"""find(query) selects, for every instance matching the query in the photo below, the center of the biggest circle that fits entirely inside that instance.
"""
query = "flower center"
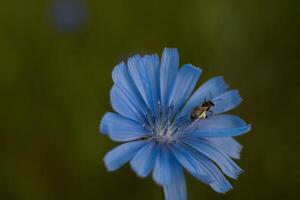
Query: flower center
(164, 124)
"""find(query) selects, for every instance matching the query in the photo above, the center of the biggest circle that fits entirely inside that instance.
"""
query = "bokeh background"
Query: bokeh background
(56, 58)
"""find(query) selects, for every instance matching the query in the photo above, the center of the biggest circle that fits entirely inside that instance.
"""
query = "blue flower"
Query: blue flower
(68, 15)
(154, 100)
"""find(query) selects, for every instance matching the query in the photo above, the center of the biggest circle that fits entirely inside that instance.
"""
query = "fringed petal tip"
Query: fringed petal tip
(227, 145)
(170, 50)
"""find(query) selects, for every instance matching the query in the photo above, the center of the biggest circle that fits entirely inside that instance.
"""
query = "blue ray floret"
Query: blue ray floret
(153, 100)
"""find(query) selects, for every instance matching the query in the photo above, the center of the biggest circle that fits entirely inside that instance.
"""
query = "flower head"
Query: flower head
(165, 128)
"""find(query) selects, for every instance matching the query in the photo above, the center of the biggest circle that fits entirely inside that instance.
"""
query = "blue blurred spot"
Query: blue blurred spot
(68, 15)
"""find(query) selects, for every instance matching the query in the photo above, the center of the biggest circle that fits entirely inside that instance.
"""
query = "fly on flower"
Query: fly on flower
(200, 112)
(155, 118)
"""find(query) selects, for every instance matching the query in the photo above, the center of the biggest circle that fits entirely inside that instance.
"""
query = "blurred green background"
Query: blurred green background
(56, 64)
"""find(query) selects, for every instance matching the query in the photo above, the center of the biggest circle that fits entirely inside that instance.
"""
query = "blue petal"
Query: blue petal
(138, 72)
(120, 155)
(163, 167)
(143, 161)
(228, 145)
(186, 80)
(125, 103)
(226, 101)
(176, 190)
(121, 76)
(211, 151)
(109, 118)
(168, 72)
(209, 90)
(219, 183)
(221, 125)
(192, 165)
(123, 129)
(153, 67)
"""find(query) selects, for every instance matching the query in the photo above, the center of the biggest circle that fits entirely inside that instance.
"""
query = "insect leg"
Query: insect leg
(209, 113)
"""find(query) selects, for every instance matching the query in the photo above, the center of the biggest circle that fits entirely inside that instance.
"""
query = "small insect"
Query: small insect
(200, 112)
